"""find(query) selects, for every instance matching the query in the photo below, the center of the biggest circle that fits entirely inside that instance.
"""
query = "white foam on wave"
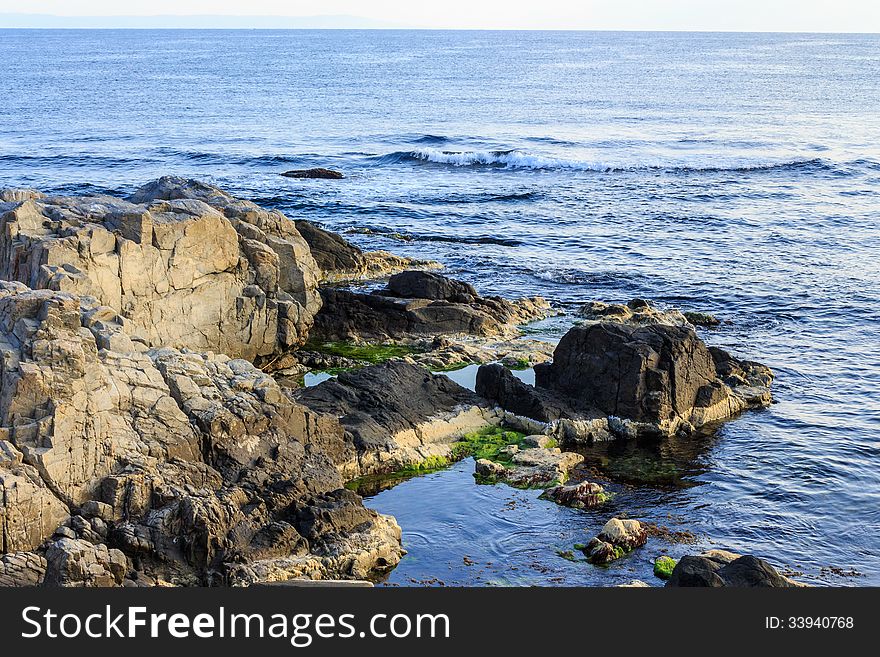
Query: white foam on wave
(513, 159)
(517, 159)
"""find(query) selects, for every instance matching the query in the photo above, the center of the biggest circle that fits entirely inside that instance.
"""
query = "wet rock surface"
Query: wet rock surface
(617, 538)
(583, 495)
(319, 173)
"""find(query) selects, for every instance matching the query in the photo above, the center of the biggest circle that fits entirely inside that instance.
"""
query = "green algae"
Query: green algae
(366, 353)
(488, 442)
(663, 567)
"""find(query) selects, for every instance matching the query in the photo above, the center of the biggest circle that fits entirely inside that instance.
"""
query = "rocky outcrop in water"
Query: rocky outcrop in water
(395, 313)
(617, 539)
(717, 568)
(636, 312)
(340, 260)
(583, 495)
(182, 263)
(121, 464)
(533, 467)
(319, 173)
(396, 415)
(612, 378)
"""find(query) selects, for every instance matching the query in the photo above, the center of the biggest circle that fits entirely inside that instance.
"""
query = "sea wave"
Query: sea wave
(519, 159)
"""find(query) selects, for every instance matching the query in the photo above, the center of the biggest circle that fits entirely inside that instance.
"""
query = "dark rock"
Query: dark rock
(395, 415)
(428, 285)
(330, 250)
(715, 571)
(395, 313)
(340, 260)
(499, 384)
(646, 379)
(337, 512)
(649, 374)
(318, 172)
(584, 495)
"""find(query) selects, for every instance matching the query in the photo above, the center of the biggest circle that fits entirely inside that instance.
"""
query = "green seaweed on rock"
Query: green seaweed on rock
(367, 353)
(663, 567)
(488, 443)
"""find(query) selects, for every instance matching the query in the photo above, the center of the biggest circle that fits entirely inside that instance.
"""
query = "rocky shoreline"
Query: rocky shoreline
(154, 431)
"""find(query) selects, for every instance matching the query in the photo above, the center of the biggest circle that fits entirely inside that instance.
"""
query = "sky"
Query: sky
(716, 15)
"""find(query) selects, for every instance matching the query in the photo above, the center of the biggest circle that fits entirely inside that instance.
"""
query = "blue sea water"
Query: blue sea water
(737, 174)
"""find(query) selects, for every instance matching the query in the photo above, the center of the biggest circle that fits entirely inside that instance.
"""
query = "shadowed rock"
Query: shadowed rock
(652, 379)
(396, 415)
(389, 315)
(317, 172)
(718, 568)
(340, 260)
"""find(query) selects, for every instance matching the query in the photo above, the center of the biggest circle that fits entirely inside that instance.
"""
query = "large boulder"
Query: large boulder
(718, 568)
(396, 415)
(400, 311)
(652, 379)
(184, 263)
(159, 465)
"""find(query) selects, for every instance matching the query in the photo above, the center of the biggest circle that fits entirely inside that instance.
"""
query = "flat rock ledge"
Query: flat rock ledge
(395, 416)
(616, 379)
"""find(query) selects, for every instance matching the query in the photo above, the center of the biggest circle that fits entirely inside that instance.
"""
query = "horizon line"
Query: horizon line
(330, 22)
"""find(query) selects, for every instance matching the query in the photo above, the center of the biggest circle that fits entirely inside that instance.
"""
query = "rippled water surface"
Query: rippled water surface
(733, 174)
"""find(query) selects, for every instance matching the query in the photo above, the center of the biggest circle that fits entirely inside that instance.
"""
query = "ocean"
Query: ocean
(735, 174)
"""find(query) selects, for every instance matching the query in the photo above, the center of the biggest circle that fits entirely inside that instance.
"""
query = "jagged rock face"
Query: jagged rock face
(160, 465)
(386, 315)
(396, 415)
(184, 263)
(654, 379)
(340, 260)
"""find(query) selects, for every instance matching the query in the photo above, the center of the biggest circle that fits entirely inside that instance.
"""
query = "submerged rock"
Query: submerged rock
(162, 465)
(617, 538)
(317, 172)
(395, 416)
(183, 263)
(618, 379)
(717, 568)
